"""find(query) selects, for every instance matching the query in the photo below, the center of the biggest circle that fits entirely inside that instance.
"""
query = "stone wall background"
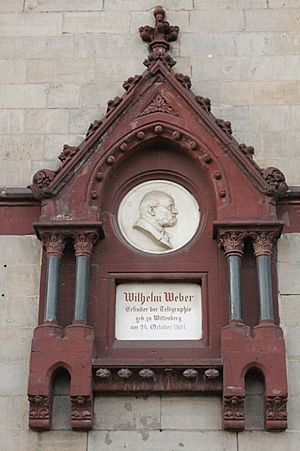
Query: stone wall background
(60, 62)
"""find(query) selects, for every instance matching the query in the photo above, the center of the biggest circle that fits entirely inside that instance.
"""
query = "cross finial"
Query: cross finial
(160, 36)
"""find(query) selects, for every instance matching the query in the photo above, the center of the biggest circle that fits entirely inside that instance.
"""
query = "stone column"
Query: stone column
(54, 244)
(263, 243)
(233, 244)
(83, 244)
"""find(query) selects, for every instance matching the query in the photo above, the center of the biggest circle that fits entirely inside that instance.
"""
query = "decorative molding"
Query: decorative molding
(84, 242)
(112, 104)
(93, 127)
(275, 179)
(184, 80)
(67, 153)
(276, 408)
(225, 126)
(131, 82)
(158, 105)
(53, 243)
(40, 182)
(39, 407)
(233, 408)
(263, 242)
(247, 150)
(232, 242)
(81, 412)
(165, 58)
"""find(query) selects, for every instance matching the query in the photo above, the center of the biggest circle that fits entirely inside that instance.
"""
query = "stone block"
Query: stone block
(270, 68)
(254, 412)
(18, 441)
(288, 277)
(97, 95)
(13, 414)
(260, 93)
(216, 21)
(145, 5)
(288, 247)
(96, 22)
(16, 344)
(195, 45)
(54, 145)
(61, 412)
(254, 44)
(13, 378)
(12, 71)
(63, 5)
(117, 69)
(47, 121)
(127, 413)
(81, 118)
(266, 440)
(71, 70)
(210, 89)
(295, 117)
(218, 4)
(23, 96)
(21, 147)
(275, 118)
(109, 46)
(11, 121)
(286, 43)
(19, 250)
(289, 310)
(30, 25)
(19, 311)
(293, 408)
(238, 116)
(22, 280)
(14, 173)
(14, 6)
(63, 96)
(292, 340)
(272, 19)
(162, 441)
(293, 367)
(62, 441)
(191, 412)
(213, 69)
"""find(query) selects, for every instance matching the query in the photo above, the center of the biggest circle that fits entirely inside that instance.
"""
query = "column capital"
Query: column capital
(263, 242)
(84, 242)
(232, 242)
(53, 243)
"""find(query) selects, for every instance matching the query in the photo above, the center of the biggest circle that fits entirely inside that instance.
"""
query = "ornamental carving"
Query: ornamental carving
(39, 407)
(81, 408)
(247, 150)
(93, 127)
(225, 126)
(67, 153)
(275, 179)
(232, 243)
(131, 82)
(158, 105)
(263, 242)
(204, 102)
(53, 243)
(234, 407)
(84, 242)
(165, 58)
(112, 104)
(276, 408)
(162, 31)
(41, 181)
(184, 80)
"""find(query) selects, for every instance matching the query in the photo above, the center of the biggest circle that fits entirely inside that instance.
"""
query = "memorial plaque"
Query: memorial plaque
(158, 311)
(158, 216)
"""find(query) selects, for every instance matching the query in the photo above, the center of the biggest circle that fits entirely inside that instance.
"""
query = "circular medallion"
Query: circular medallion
(158, 216)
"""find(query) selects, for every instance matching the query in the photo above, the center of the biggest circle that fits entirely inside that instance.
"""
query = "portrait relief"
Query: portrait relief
(158, 216)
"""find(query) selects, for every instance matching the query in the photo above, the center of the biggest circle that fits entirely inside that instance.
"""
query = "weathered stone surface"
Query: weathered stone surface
(15, 173)
(289, 282)
(289, 310)
(238, 116)
(47, 121)
(30, 47)
(127, 413)
(289, 248)
(265, 118)
(266, 440)
(55, 143)
(272, 19)
(81, 118)
(12, 71)
(215, 21)
(22, 280)
(20, 147)
(20, 311)
(63, 96)
(13, 377)
(11, 6)
(13, 415)
(61, 440)
(63, 5)
(96, 22)
(23, 96)
(30, 25)
(142, 5)
(17, 344)
(11, 121)
(81, 70)
(164, 441)
(195, 412)
(108, 46)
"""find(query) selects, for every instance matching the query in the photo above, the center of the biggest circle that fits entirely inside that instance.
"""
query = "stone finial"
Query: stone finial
(159, 36)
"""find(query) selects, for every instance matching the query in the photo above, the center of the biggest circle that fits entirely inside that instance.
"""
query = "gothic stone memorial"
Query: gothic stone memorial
(159, 270)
